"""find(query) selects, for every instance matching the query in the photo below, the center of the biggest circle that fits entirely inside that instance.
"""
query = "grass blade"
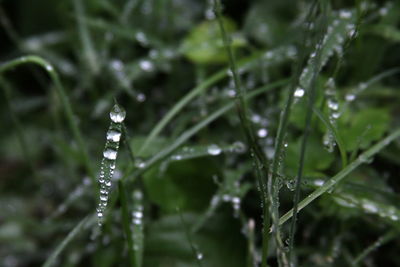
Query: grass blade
(64, 101)
(312, 95)
(363, 158)
(125, 222)
(338, 139)
(85, 222)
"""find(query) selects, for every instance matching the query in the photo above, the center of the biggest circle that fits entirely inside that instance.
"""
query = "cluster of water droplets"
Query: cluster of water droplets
(333, 113)
(137, 220)
(369, 206)
(110, 153)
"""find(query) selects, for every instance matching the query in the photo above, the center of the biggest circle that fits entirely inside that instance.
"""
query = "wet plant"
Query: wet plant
(240, 133)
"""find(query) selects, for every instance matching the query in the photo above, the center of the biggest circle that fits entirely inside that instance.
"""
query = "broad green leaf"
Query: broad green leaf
(388, 32)
(204, 44)
(365, 127)
(220, 242)
(317, 157)
(185, 184)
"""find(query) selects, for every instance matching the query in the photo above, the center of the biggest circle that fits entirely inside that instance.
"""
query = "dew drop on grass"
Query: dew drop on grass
(299, 92)
(141, 97)
(291, 185)
(113, 136)
(214, 150)
(239, 147)
(199, 256)
(262, 132)
(110, 154)
(117, 114)
(146, 65)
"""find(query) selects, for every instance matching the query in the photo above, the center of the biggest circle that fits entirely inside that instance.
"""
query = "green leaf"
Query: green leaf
(317, 159)
(365, 127)
(220, 243)
(185, 184)
(388, 32)
(204, 44)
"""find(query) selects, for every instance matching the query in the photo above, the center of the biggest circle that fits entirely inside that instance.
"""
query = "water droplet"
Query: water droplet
(370, 207)
(146, 65)
(262, 132)
(285, 145)
(117, 65)
(291, 185)
(226, 198)
(141, 38)
(141, 97)
(239, 147)
(345, 14)
(350, 97)
(49, 67)
(110, 154)
(113, 136)
(299, 92)
(214, 150)
(139, 163)
(117, 114)
(137, 214)
(333, 105)
(319, 182)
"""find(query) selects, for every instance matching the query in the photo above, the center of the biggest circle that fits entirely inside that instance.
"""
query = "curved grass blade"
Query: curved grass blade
(18, 127)
(196, 128)
(63, 98)
(85, 222)
(363, 158)
(392, 234)
(202, 87)
(197, 254)
(338, 139)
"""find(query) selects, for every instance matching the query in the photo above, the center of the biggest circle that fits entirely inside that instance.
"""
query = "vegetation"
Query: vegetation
(199, 133)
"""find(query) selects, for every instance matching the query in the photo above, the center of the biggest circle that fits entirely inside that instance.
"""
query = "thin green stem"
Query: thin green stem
(259, 159)
(87, 221)
(199, 89)
(312, 95)
(87, 45)
(195, 251)
(196, 128)
(390, 235)
(363, 158)
(126, 222)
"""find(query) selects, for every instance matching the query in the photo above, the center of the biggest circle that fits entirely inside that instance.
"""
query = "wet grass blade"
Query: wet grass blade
(312, 96)
(18, 127)
(390, 235)
(64, 101)
(196, 128)
(259, 158)
(196, 91)
(85, 222)
(126, 222)
(87, 45)
(363, 158)
(333, 130)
